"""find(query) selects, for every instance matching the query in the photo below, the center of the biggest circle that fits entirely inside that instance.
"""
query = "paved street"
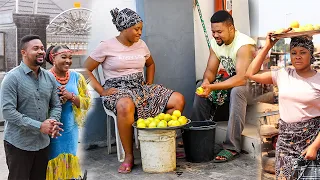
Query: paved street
(100, 166)
(103, 166)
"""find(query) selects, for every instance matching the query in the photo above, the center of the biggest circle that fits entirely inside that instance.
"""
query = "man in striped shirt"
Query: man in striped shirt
(31, 109)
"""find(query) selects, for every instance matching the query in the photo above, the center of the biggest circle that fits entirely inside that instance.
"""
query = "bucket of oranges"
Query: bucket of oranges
(157, 137)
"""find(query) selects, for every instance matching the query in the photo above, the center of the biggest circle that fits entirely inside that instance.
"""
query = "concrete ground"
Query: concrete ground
(101, 166)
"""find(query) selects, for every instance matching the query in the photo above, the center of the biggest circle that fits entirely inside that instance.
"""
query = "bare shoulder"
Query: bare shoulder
(247, 48)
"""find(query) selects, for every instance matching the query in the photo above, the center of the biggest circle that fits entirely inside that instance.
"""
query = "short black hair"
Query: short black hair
(222, 16)
(25, 39)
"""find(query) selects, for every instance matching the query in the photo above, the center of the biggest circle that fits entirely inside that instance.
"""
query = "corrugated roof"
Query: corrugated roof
(46, 7)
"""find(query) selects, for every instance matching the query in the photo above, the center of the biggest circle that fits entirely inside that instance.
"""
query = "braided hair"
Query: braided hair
(52, 50)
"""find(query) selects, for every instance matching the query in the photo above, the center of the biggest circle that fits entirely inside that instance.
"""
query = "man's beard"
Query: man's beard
(220, 44)
(38, 63)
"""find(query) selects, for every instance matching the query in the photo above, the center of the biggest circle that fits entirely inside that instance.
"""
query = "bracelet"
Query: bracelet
(73, 97)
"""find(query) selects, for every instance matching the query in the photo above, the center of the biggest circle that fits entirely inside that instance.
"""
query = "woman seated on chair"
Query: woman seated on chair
(125, 91)
(299, 103)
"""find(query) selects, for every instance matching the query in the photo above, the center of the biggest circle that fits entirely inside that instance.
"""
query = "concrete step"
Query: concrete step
(250, 137)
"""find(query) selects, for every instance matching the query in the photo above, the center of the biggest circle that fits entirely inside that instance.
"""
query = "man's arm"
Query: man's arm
(244, 57)
(212, 68)
(9, 101)
(54, 104)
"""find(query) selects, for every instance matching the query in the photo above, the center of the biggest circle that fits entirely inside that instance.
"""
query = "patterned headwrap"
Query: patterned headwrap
(305, 42)
(52, 55)
(125, 18)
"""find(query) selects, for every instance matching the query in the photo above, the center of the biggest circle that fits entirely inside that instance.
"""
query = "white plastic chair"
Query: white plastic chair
(120, 151)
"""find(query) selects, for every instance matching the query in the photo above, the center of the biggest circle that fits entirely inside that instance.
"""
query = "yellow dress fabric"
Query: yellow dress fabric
(80, 113)
(66, 166)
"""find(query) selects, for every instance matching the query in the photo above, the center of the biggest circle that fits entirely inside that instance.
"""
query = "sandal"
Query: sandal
(125, 168)
(227, 155)
(180, 155)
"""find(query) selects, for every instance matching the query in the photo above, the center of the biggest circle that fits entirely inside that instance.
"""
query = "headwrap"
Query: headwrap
(305, 42)
(125, 18)
(52, 55)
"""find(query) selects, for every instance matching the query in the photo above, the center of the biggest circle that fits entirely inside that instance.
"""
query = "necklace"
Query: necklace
(61, 80)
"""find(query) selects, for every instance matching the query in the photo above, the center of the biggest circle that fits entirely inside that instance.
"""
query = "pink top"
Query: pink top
(299, 98)
(119, 60)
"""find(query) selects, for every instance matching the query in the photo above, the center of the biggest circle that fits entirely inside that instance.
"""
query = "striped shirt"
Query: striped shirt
(27, 101)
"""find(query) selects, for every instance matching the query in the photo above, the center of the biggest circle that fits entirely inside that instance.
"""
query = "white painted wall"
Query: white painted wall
(254, 17)
(102, 26)
(240, 14)
(201, 48)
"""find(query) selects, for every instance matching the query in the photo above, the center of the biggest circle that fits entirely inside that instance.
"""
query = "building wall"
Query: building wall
(63, 4)
(10, 57)
(10, 32)
(200, 43)
(169, 34)
(254, 17)
(15, 26)
(30, 24)
(95, 129)
(102, 26)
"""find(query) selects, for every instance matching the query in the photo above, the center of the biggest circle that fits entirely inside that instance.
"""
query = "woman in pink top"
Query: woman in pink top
(126, 92)
(299, 103)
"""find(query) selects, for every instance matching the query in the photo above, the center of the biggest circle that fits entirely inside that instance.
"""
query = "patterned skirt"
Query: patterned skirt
(292, 140)
(149, 100)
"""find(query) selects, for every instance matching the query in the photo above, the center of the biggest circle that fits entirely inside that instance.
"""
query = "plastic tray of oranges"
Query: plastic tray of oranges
(296, 30)
(162, 122)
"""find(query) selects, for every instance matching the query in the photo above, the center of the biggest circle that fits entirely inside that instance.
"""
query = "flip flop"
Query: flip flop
(180, 155)
(125, 168)
(227, 155)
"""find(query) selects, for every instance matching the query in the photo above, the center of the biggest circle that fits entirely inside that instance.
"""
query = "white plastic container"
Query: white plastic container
(158, 150)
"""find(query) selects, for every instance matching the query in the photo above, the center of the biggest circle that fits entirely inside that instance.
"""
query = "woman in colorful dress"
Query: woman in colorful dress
(64, 164)
(299, 103)
(126, 92)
